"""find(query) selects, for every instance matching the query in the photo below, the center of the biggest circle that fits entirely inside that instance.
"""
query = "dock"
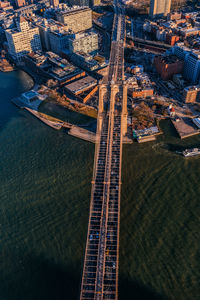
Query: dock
(57, 124)
(82, 134)
(54, 124)
(185, 127)
(147, 138)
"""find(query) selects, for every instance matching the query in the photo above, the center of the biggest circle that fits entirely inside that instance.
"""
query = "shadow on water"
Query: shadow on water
(133, 290)
(49, 281)
(180, 148)
(12, 84)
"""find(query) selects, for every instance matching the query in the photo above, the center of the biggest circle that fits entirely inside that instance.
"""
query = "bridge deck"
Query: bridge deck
(100, 271)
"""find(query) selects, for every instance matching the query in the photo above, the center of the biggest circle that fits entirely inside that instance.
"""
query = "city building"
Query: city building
(76, 18)
(191, 94)
(178, 79)
(58, 40)
(192, 67)
(159, 8)
(134, 69)
(86, 61)
(196, 121)
(81, 85)
(20, 3)
(139, 86)
(26, 10)
(191, 62)
(24, 39)
(54, 3)
(46, 28)
(86, 42)
(186, 32)
(167, 66)
(161, 35)
(95, 2)
(5, 6)
(50, 65)
(174, 16)
(79, 2)
(176, 4)
(181, 51)
(171, 38)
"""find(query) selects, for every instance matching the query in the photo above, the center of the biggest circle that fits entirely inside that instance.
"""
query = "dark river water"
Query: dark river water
(44, 205)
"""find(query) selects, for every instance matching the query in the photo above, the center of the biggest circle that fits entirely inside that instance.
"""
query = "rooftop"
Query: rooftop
(71, 10)
(169, 59)
(81, 84)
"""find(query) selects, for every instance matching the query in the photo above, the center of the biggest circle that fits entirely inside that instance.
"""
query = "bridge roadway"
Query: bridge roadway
(100, 271)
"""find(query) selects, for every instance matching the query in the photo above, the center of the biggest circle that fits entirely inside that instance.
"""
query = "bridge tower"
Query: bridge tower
(102, 92)
(114, 90)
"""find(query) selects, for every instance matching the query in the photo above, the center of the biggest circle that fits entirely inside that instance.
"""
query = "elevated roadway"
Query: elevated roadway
(100, 271)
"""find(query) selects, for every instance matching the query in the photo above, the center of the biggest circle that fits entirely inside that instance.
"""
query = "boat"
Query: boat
(191, 152)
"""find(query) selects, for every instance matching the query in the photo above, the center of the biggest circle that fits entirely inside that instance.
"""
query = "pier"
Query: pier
(185, 127)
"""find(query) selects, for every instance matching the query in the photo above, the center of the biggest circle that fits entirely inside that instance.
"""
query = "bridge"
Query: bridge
(100, 270)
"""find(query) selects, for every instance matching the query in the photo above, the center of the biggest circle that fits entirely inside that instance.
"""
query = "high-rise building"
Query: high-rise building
(54, 3)
(58, 40)
(86, 42)
(181, 51)
(191, 61)
(77, 19)
(192, 67)
(159, 8)
(46, 26)
(24, 39)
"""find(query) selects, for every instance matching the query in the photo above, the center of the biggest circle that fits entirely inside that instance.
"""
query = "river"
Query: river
(44, 204)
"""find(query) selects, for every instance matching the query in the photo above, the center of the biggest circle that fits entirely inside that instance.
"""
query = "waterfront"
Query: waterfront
(45, 192)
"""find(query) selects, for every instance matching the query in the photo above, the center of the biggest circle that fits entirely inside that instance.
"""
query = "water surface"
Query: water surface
(44, 204)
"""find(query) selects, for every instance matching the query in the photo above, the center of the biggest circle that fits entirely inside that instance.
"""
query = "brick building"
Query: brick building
(171, 39)
(167, 66)
(20, 3)
(141, 93)
(191, 93)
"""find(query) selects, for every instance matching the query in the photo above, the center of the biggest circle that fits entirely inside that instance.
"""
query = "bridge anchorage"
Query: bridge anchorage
(100, 270)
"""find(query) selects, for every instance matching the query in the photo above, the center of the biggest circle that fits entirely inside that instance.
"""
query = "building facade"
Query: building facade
(79, 2)
(167, 66)
(23, 39)
(191, 62)
(54, 3)
(86, 42)
(76, 19)
(192, 67)
(159, 8)
(51, 32)
(191, 94)
(58, 41)
(20, 3)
